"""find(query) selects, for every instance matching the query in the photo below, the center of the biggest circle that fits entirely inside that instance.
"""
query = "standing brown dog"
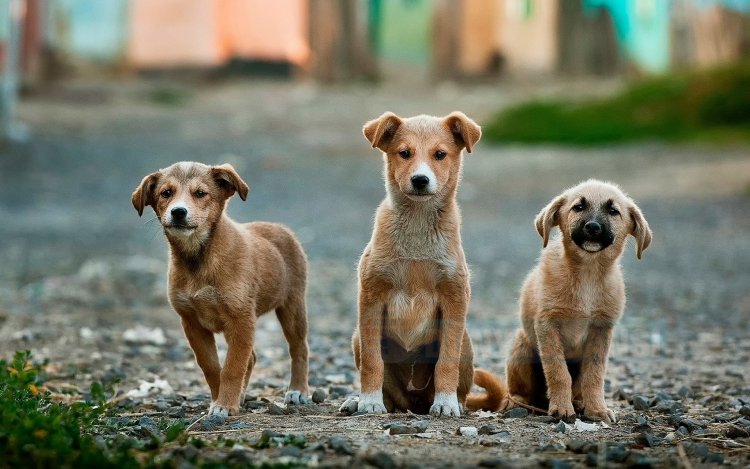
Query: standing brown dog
(571, 301)
(410, 345)
(223, 275)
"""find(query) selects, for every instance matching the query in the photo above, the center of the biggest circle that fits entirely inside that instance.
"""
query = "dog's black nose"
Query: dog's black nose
(179, 213)
(592, 228)
(420, 181)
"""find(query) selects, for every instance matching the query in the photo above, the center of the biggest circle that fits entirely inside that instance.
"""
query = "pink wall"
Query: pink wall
(175, 33)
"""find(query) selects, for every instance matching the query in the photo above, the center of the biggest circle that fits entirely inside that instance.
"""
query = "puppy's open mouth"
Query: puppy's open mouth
(592, 246)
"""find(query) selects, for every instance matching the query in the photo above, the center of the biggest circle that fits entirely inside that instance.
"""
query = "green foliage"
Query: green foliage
(37, 432)
(712, 105)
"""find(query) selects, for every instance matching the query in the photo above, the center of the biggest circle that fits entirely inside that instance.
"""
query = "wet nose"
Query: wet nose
(179, 213)
(592, 228)
(420, 181)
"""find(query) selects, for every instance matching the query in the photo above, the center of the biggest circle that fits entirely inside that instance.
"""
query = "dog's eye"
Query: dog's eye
(405, 154)
(200, 193)
(166, 193)
(440, 154)
(579, 207)
(614, 212)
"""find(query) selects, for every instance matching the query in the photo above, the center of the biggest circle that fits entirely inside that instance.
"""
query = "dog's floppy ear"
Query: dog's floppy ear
(640, 231)
(379, 132)
(229, 180)
(548, 218)
(464, 130)
(143, 195)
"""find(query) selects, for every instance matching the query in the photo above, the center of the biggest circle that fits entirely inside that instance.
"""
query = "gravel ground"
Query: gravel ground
(83, 283)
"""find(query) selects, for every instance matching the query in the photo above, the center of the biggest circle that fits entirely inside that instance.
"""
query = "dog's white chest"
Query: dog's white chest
(411, 318)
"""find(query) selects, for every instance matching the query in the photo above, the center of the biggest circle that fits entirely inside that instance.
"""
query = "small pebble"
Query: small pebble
(516, 412)
(469, 432)
(641, 403)
(319, 396)
(561, 427)
(340, 445)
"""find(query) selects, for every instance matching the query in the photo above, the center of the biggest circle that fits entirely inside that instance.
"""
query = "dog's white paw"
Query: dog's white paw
(219, 411)
(371, 403)
(445, 404)
(296, 398)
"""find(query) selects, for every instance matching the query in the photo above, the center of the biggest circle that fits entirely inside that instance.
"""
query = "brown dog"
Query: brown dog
(410, 345)
(571, 301)
(223, 275)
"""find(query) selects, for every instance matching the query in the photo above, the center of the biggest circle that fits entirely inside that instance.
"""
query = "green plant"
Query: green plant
(709, 105)
(37, 432)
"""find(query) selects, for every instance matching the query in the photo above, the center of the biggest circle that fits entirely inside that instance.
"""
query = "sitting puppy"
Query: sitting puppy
(571, 301)
(223, 275)
(410, 345)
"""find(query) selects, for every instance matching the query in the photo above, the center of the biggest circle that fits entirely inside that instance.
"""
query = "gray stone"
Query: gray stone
(319, 396)
(340, 445)
(641, 403)
(561, 427)
(745, 410)
(516, 412)
(406, 428)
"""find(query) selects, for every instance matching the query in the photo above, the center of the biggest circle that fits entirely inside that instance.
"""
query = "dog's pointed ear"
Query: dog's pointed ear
(640, 231)
(143, 195)
(465, 131)
(228, 179)
(379, 132)
(548, 218)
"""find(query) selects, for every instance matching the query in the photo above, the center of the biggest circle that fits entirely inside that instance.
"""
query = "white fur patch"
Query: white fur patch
(371, 403)
(424, 170)
(445, 404)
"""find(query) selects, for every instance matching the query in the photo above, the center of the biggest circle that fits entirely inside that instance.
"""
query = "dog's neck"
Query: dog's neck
(420, 230)
(194, 253)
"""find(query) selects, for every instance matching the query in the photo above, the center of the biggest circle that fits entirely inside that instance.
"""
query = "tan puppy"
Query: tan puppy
(410, 345)
(223, 275)
(571, 301)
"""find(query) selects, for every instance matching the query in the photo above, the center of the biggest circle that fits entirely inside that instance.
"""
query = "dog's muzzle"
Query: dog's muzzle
(593, 235)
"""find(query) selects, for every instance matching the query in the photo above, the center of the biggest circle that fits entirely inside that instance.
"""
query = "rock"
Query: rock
(340, 445)
(489, 429)
(291, 451)
(561, 427)
(211, 422)
(381, 459)
(554, 447)
(745, 410)
(267, 439)
(637, 459)
(647, 440)
(684, 392)
(238, 425)
(469, 432)
(150, 426)
(349, 407)
(406, 428)
(617, 453)
(735, 431)
(682, 432)
(273, 409)
(743, 422)
(692, 424)
(516, 412)
(319, 396)
(177, 412)
(144, 335)
(495, 439)
(667, 406)
(641, 403)
(579, 446)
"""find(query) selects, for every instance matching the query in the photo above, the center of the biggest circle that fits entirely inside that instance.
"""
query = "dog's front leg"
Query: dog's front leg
(593, 369)
(239, 339)
(202, 342)
(556, 374)
(453, 307)
(371, 366)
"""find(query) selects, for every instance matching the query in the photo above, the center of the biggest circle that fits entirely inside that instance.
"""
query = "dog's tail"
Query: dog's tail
(493, 395)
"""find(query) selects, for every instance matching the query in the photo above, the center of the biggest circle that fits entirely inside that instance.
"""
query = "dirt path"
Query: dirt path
(81, 269)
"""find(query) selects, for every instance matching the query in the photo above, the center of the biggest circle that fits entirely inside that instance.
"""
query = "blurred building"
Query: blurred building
(343, 39)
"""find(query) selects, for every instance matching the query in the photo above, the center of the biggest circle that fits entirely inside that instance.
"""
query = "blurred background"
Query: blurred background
(652, 94)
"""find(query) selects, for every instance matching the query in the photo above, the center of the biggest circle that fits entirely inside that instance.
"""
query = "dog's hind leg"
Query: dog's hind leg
(246, 379)
(293, 319)
(519, 370)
